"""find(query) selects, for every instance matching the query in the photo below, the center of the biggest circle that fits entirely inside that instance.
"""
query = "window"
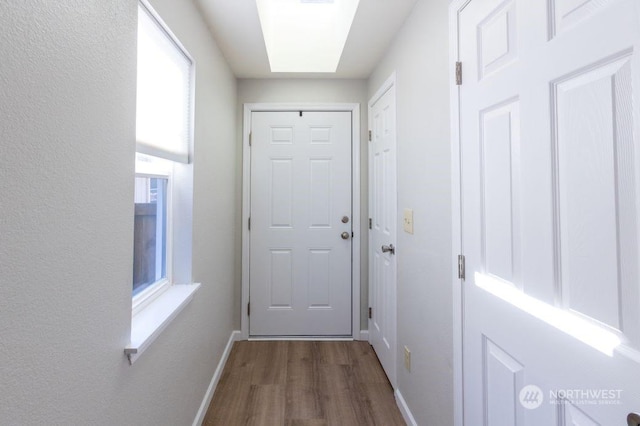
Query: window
(151, 236)
(163, 139)
(163, 195)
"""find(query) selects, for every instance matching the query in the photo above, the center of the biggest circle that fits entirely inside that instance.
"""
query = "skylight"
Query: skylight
(305, 35)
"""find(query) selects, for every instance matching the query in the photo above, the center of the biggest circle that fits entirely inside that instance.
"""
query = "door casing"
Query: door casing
(456, 196)
(354, 108)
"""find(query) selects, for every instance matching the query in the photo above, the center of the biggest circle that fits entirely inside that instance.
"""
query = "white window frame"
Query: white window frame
(154, 308)
(146, 296)
(164, 169)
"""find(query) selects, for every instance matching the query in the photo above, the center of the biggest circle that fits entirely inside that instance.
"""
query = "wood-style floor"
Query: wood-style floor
(299, 383)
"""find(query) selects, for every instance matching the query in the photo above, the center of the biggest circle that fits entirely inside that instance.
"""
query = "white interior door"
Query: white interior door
(382, 236)
(300, 237)
(550, 168)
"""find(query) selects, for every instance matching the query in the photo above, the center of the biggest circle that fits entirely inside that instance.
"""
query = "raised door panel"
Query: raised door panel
(281, 135)
(503, 380)
(281, 193)
(596, 216)
(497, 43)
(564, 14)
(387, 293)
(321, 135)
(378, 174)
(321, 194)
(319, 290)
(500, 153)
(281, 279)
(376, 295)
(571, 415)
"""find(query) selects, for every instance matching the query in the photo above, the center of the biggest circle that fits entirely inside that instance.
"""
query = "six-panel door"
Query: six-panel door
(383, 211)
(300, 256)
(550, 115)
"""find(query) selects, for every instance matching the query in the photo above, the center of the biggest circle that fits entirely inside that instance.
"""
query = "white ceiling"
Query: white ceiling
(236, 27)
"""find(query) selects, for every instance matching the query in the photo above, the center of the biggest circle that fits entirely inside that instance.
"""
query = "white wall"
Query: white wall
(67, 132)
(419, 55)
(311, 91)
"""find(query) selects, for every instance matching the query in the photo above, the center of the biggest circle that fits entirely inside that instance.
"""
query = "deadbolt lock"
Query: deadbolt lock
(345, 219)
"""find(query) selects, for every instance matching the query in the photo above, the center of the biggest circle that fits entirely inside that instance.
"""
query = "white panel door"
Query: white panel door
(550, 182)
(300, 256)
(383, 211)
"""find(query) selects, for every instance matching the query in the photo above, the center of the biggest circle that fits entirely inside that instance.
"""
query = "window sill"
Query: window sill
(147, 324)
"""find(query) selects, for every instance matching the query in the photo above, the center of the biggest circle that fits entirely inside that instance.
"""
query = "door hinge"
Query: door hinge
(249, 309)
(458, 73)
(461, 267)
(249, 224)
(370, 313)
(369, 135)
(370, 223)
(250, 138)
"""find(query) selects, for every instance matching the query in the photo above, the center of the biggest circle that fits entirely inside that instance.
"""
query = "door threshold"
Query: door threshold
(303, 338)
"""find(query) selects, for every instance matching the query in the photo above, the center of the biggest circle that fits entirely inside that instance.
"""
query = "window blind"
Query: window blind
(163, 110)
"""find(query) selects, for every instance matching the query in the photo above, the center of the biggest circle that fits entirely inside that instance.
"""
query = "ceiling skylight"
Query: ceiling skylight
(305, 35)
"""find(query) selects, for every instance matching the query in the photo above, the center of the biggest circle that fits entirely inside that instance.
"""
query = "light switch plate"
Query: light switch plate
(407, 358)
(408, 221)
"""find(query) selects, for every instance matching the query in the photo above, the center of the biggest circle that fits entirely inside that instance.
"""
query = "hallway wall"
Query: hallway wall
(67, 140)
(419, 55)
(308, 91)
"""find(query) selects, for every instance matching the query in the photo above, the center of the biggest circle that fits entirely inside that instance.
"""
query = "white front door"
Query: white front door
(550, 183)
(383, 206)
(300, 237)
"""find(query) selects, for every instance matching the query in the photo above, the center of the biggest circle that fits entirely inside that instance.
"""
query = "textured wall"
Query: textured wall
(67, 130)
(419, 55)
(311, 91)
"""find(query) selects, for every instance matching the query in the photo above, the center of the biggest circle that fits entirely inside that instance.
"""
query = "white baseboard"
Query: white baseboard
(364, 335)
(404, 409)
(235, 336)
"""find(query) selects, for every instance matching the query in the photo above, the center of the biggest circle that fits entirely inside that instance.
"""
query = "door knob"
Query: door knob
(633, 419)
(389, 249)
(345, 235)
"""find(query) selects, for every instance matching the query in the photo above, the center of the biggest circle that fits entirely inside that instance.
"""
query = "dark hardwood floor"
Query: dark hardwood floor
(296, 383)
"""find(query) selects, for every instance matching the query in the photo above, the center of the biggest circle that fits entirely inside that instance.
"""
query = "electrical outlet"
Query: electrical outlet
(407, 358)
(407, 222)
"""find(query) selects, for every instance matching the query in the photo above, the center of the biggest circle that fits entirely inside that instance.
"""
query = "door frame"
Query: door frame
(388, 84)
(455, 8)
(354, 108)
